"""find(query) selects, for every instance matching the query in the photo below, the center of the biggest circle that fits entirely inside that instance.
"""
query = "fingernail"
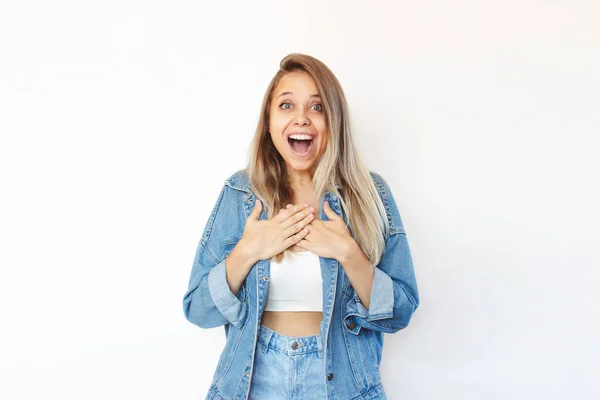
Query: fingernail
(311, 209)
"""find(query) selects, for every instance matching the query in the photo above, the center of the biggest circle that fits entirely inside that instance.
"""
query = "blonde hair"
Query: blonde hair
(339, 166)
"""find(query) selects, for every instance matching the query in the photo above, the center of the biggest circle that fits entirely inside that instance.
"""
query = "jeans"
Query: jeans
(287, 367)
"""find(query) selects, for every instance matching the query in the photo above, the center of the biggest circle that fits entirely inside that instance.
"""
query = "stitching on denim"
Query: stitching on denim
(368, 392)
(370, 337)
(350, 353)
(380, 316)
(384, 199)
(233, 182)
(211, 254)
(211, 219)
(214, 393)
(232, 351)
(383, 325)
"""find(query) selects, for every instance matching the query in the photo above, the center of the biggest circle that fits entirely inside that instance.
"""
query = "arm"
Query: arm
(209, 302)
(394, 296)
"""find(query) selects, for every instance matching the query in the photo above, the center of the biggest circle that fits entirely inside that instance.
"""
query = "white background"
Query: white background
(120, 120)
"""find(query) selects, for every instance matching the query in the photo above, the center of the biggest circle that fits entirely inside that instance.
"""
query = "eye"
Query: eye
(285, 104)
(317, 107)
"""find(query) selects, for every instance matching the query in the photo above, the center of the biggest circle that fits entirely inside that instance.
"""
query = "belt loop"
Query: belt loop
(266, 339)
(320, 345)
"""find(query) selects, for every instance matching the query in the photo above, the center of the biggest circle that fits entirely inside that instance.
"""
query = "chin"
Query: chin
(300, 166)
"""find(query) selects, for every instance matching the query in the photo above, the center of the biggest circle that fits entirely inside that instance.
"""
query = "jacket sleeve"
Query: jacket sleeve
(208, 301)
(394, 295)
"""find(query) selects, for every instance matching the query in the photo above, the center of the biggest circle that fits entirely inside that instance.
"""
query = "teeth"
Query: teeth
(297, 136)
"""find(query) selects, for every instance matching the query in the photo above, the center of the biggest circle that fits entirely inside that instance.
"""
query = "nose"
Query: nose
(301, 120)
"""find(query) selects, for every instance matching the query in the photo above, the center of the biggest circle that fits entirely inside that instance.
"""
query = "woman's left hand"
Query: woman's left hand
(329, 239)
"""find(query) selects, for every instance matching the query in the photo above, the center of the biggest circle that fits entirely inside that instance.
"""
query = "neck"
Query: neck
(304, 188)
(300, 180)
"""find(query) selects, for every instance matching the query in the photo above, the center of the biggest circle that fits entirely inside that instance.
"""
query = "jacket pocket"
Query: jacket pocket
(229, 244)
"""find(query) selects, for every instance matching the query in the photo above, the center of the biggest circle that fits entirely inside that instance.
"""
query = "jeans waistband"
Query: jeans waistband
(288, 345)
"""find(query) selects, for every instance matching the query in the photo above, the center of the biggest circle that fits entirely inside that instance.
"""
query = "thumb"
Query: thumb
(329, 212)
(256, 211)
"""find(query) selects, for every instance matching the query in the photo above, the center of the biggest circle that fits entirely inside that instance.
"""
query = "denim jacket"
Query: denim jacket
(351, 334)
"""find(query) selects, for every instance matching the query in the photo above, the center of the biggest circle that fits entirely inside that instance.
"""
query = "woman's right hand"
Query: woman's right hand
(263, 239)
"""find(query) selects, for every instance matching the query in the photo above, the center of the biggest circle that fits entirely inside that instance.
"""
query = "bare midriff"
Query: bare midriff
(293, 323)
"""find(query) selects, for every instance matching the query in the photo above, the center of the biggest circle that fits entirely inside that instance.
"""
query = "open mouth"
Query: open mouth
(301, 144)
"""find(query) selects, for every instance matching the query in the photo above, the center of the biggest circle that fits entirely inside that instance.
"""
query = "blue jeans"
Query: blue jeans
(287, 367)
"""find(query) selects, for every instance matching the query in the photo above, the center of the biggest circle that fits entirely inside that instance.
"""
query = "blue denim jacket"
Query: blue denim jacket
(352, 335)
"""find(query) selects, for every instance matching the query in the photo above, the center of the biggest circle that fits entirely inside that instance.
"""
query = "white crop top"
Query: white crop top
(296, 283)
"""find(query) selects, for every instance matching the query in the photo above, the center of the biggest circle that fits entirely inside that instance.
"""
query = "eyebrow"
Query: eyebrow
(286, 93)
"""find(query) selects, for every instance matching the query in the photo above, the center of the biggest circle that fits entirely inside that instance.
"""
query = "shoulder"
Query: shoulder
(380, 183)
(382, 187)
(236, 188)
(389, 203)
(228, 214)
(239, 181)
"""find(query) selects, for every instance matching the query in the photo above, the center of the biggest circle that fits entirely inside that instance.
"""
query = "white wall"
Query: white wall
(120, 120)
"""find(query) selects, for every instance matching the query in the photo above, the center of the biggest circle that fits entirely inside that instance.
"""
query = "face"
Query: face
(297, 122)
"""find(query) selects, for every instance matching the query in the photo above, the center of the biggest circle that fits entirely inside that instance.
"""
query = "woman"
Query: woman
(304, 259)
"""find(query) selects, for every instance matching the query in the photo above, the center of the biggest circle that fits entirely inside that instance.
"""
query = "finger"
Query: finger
(289, 211)
(297, 217)
(292, 240)
(329, 212)
(257, 209)
(286, 207)
(298, 226)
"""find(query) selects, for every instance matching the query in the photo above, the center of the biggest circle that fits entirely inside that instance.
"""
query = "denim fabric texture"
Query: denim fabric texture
(352, 336)
(287, 368)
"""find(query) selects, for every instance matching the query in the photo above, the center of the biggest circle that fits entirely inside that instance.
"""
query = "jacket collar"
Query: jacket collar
(240, 181)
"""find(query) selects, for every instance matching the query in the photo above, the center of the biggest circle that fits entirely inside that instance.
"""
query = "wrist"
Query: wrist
(244, 254)
(349, 251)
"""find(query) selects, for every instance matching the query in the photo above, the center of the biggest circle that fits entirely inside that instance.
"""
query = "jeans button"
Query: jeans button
(295, 346)
(330, 376)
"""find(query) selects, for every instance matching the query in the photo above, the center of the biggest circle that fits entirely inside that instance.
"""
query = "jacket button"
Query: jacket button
(351, 325)
(265, 278)
(330, 377)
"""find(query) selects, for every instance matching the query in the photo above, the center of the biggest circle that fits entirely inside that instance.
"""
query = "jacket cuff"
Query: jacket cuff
(381, 304)
(225, 301)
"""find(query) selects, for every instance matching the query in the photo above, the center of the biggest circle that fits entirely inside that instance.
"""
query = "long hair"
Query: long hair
(339, 170)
